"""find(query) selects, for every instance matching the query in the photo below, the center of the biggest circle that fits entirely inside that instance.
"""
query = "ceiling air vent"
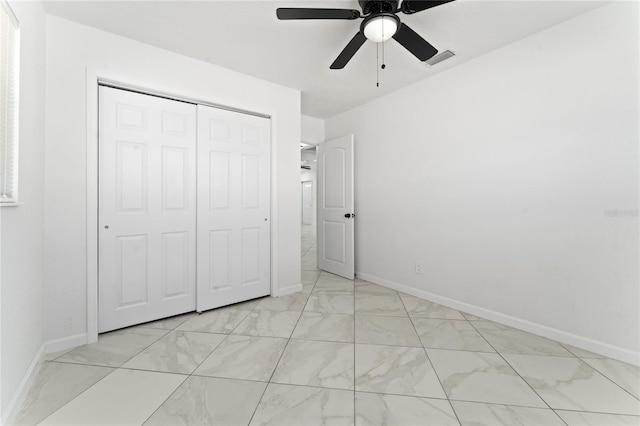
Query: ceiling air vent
(439, 58)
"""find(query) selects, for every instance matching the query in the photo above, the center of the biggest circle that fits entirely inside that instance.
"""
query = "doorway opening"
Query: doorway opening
(308, 174)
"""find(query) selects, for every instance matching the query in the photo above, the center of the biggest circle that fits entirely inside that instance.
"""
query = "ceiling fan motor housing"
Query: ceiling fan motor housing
(378, 6)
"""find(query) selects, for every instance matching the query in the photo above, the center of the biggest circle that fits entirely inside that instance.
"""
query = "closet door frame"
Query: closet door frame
(96, 78)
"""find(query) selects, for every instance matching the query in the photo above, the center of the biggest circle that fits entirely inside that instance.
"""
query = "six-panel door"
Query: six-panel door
(179, 184)
(147, 208)
(233, 207)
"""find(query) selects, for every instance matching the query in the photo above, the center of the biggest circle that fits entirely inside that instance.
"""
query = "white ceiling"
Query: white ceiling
(245, 36)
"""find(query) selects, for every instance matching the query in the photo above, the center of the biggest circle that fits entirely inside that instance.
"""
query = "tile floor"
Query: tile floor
(340, 352)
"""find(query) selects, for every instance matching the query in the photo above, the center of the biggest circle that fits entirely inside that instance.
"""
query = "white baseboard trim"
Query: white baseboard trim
(14, 406)
(63, 343)
(581, 342)
(289, 290)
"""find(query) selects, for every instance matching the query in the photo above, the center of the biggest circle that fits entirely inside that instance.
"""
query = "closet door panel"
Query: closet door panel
(147, 208)
(233, 207)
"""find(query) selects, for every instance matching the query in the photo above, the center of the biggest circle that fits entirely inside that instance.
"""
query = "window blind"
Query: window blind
(9, 85)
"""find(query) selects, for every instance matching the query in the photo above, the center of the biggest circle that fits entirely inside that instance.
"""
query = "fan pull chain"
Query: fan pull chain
(377, 62)
(383, 65)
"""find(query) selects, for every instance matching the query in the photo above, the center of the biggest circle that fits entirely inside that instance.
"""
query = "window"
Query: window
(9, 84)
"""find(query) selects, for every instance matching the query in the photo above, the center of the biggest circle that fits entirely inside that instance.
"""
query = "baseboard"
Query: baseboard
(9, 415)
(565, 337)
(61, 344)
(289, 290)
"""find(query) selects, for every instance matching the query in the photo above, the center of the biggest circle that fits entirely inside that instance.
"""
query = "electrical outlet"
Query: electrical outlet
(419, 268)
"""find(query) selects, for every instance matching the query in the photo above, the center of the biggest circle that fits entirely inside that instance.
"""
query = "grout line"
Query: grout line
(354, 353)
(606, 376)
(167, 398)
(512, 368)
(282, 353)
(560, 417)
(431, 364)
(72, 399)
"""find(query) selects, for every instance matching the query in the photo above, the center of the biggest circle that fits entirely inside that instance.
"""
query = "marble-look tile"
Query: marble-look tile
(581, 353)
(268, 324)
(470, 317)
(481, 377)
(56, 384)
(378, 304)
(581, 418)
(396, 370)
(374, 409)
(479, 414)
(309, 258)
(210, 401)
(330, 303)
(52, 356)
(386, 331)
(310, 277)
(365, 287)
(333, 286)
(243, 357)
(168, 323)
(311, 363)
(176, 352)
(221, 320)
(421, 308)
(291, 302)
(625, 375)
(309, 264)
(286, 405)
(307, 288)
(571, 384)
(124, 397)
(115, 348)
(329, 276)
(507, 340)
(329, 327)
(450, 334)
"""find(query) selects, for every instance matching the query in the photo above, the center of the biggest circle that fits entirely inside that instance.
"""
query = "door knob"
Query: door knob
(348, 215)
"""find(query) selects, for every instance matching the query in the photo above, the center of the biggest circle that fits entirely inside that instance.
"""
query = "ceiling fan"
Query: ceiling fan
(380, 23)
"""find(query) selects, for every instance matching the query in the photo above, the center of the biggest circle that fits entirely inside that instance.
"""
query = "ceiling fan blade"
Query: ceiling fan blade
(413, 6)
(347, 53)
(415, 44)
(286, 13)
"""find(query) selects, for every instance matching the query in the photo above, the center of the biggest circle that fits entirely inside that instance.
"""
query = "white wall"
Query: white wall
(499, 174)
(71, 49)
(312, 130)
(21, 227)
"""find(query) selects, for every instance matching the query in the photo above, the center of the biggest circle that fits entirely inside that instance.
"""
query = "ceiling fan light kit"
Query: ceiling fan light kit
(379, 28)
(381, 23)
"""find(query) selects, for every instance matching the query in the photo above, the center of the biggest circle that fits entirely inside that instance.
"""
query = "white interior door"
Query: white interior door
(233, 207)
(147, 208)
(307, 203)
(335, 207)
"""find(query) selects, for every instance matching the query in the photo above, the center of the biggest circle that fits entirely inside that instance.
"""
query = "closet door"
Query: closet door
(147, 208)
(233, 207)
